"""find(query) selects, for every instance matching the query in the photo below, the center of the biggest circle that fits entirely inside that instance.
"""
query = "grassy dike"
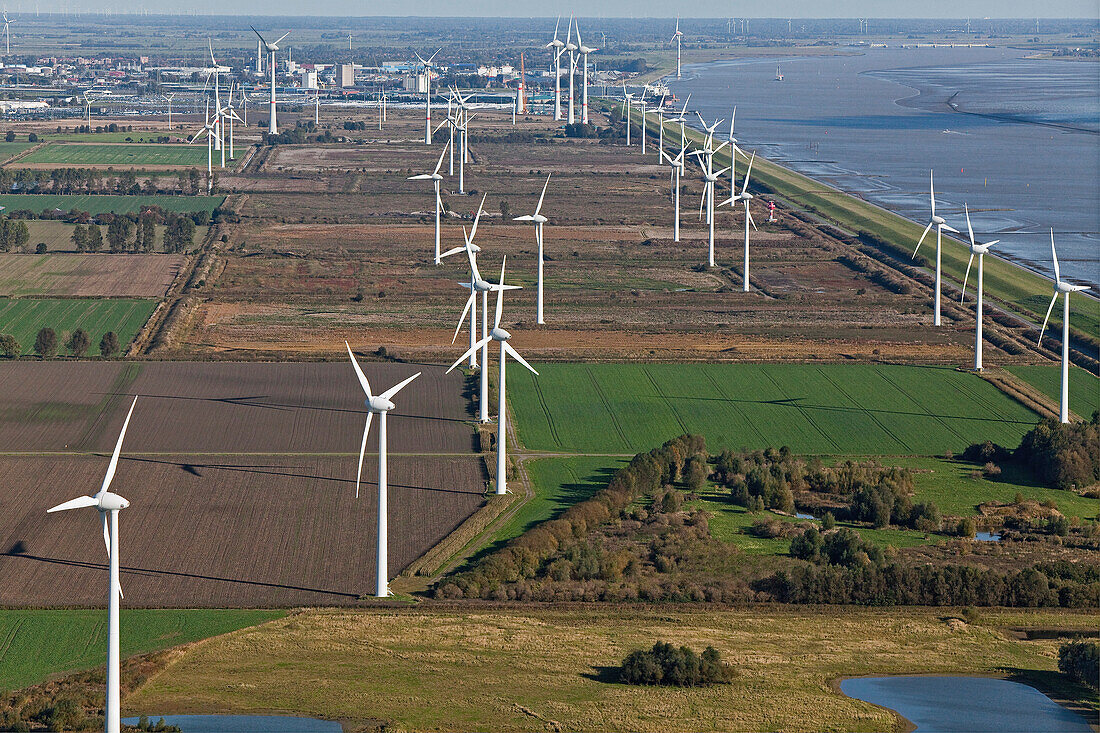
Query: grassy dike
(1017, 289)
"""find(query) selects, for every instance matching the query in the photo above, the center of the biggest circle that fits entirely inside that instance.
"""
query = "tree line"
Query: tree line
(97, 180)
(136, 233)
(47, 342)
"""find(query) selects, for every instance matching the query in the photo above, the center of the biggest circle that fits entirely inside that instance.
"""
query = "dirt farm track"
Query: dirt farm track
(241, 479)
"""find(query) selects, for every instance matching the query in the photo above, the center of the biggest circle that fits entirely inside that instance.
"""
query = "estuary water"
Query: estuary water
(966, 704)
(1016, 139)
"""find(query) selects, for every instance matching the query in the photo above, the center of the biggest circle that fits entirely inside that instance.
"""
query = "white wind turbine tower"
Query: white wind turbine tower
(436, 180)
(427, 96)
(980, 250)
(109, 504)
(170, 110)
(229, 114)
(940, 224)
(628, 102)
(501, 336)
(677, 170)
(571, 48)
(7, 33)
(676, 37)
(583, 52)
(642, 108)
(745, 197)
(380, 405)
(1061, 286)
(539, 220)
(272, 127)
(558, 49)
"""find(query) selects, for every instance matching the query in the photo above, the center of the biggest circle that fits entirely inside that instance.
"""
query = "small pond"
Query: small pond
(966, 704)
(803, 515)
(245, 724)
(987, 536)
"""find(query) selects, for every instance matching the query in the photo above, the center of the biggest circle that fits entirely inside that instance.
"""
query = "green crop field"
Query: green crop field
(10, 150)
(107, 203)
(22, 318)
(827, 409)
(35, 644)
(1084, 388)
(117, 154)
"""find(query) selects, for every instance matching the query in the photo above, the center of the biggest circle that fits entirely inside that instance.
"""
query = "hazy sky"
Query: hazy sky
(597, 8)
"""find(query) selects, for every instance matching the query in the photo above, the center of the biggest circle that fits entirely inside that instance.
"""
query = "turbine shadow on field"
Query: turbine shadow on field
(175, 573)
(796, 402)
(288, 471)
(257, 401)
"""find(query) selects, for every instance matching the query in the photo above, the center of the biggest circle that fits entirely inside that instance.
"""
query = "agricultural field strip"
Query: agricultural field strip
(103, 203)
(22, 318)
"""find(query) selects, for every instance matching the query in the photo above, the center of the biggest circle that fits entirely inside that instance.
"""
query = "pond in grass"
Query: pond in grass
(244, 724)
(970, 704)
(987, 537)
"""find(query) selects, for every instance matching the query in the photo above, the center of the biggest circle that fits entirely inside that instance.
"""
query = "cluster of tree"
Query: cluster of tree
(13, 234)
(840, 547)
(10, 137)
(301, 133)
(92, 180)
(925, 585)
(46, 343)
(179, 233)
(629, 66)
(355, 125)
(1063, 455)
(1081, 661)
(526, 555)
(665, 664)
(581, 129)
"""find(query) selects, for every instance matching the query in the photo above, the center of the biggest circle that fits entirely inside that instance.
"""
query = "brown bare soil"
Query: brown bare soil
(213, 531)
(89, 275)
(227, 408)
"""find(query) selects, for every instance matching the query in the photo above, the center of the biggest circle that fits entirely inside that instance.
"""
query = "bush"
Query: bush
(9, 347)
(664, 664)
(1081, 661)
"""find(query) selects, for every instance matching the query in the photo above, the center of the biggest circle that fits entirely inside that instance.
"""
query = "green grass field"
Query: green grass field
(10, 150)
(36, 644)
(555, 668)
(22, 318)
(107, 203)
(116, 154)
(1084, 388)
(827, 409)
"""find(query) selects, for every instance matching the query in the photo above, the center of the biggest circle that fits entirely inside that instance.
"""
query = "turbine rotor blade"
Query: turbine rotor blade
(106, 534)
(114, 456)
(79, 502)
(465, 310)
(1054, 256)
(359, 373)
(515, 355)
(500, 293)
(469, 351)
(362, 450)
(748, 173)
(389, 393)
(967, 277)
(1044, 328)
(544, 186)
(969, 228)
(919, 241)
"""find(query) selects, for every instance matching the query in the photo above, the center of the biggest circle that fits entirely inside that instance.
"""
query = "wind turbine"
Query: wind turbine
(272, 127)
(571, 48)
(980, 250)
(677, 170)
(209, 130)
(641, 107)
(7, 33)
(378, 405)
(539, 220)
(676, 37)
(745, 197)
(501, 336)
(477, 285)
(710, 179)
(940, 224)
(108, 504)
(436, 179)
(682, 120)
(427, 96)
(583, 51)
(228, 113)
(734, 150)
(170, 110)
(559, 49)
(1060, 286)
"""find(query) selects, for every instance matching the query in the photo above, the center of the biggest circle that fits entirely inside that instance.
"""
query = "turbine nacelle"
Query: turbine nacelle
(499, 334)
(938, 220)
(110, 501)
(378, 404)
(1064, 287)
